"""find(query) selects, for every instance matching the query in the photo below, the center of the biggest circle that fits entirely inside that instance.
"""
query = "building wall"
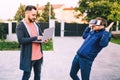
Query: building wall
(64, 14)
(59, 14)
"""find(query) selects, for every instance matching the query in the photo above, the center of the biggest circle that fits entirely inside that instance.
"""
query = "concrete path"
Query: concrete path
(57, 63)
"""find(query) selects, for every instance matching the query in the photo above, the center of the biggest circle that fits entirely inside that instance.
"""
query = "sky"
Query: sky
(8, 8)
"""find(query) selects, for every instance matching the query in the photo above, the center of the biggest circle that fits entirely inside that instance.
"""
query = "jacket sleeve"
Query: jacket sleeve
(105, 39)
(22, 36)
(86, 32)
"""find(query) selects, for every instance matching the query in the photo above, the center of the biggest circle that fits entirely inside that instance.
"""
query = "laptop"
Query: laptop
(47, 34)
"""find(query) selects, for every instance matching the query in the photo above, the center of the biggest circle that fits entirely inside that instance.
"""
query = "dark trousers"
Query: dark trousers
(36, 68)
(84, 65)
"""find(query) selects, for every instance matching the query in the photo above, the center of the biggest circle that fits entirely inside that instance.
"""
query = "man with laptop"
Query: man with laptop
(31, 55)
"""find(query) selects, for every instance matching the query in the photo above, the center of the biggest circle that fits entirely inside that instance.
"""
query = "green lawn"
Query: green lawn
(115, 40)
(15, 46)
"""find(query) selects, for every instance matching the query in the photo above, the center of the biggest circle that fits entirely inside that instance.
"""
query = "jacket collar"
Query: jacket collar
(28, 27)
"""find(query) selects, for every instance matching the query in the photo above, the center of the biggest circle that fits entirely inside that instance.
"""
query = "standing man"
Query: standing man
(95, 40)
(31, 53)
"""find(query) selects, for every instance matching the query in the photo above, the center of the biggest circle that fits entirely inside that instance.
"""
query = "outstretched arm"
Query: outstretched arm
(108, 28)
(106, 36)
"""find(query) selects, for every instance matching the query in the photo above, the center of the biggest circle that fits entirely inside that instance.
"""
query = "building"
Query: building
(62, 13)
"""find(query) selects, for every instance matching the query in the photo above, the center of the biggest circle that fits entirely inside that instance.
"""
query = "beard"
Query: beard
(31, 20)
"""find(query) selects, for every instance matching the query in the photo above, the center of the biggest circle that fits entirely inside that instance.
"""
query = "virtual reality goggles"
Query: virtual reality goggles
(95, 22)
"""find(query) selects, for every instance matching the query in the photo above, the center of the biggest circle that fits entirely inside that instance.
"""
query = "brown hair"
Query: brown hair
(30, 7)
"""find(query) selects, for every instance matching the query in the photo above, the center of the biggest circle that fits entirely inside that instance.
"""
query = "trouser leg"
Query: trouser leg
(26, 75)
(75, 68)
(85, 66)
(37, 69)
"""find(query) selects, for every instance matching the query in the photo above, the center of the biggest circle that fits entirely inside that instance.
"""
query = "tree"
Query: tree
(108, 9)
(45, 14)
(20, 13)
(38, 16)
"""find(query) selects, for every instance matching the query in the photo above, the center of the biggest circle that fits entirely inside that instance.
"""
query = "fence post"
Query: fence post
(51, 23)
(62, 28)
(10, 35)
(10, 28)
(117, 24)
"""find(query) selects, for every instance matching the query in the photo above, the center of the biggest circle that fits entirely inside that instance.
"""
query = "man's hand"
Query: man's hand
(39, 38)
(108, 28)
(92, 23)
(46, 41)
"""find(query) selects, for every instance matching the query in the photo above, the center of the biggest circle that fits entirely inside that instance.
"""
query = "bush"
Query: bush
(8, 45)
(15, 45)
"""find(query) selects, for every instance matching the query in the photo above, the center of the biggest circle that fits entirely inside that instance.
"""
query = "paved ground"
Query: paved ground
(57, 63)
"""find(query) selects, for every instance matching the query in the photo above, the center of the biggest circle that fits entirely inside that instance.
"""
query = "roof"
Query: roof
(69, 8)
(55, 6)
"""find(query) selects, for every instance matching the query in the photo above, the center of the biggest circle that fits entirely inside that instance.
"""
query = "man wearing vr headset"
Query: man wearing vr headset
(97, 36)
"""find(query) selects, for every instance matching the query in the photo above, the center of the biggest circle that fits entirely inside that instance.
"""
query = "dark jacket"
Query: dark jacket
(25, 42)
(94, 42)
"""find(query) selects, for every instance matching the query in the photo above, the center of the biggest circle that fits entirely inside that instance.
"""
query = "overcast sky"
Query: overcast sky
(8, 8)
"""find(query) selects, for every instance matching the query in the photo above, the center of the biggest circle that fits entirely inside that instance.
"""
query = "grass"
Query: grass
(48, 46)
(115, 40)
(8, 45)
(15, 46)
(45, 46)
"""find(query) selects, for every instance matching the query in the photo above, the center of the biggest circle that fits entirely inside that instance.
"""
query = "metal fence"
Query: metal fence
(70, 29)
(73, 29)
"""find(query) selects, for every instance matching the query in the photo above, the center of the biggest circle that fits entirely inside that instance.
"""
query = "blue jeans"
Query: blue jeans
(37, 70)
(84, 65)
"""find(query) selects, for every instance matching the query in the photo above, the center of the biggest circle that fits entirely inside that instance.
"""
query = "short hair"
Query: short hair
(30, 7)
(103, 21)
